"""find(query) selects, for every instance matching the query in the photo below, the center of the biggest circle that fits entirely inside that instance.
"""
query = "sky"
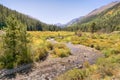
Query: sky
(54, 11)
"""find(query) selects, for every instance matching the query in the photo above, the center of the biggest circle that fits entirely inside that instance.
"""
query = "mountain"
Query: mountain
(60, 25)
(105, 18)
(73, 21)
(89, 16)
(101, 9)
(31, 23)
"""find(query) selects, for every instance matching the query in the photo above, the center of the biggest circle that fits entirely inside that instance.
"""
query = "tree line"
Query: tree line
(31, 23)
(107, 21)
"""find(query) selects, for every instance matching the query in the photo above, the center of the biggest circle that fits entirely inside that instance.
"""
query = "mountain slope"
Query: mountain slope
(101, 9)
(31, 23)
(73, 21)
(107, 20)
(96, 12)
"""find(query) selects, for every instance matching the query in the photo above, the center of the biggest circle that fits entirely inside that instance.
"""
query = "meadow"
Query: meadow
(107, 43)
(106, 68)
(41, 47)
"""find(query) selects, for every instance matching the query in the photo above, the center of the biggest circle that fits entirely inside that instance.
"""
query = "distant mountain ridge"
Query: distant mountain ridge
(101, 9)
(105, 18)
(69, 23)
(74, 21)
(60, 25)
(89, 15)
(95, 12)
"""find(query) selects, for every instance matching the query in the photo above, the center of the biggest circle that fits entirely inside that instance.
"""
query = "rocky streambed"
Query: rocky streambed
(52, 67)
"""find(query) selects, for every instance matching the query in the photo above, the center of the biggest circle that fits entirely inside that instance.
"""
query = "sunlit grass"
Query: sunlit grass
(40, 44)
(106, 68)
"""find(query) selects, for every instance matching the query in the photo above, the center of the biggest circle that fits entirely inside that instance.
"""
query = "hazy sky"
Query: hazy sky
(55, 11)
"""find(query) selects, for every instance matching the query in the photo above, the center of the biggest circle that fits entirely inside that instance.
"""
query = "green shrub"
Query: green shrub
(110, 51)
(8, 61)
(75, 40)
(60, 50)
(40, 54)
(75, 74)
(78, 33)
(60, 46)
(98, 47)
(49, 46)
(1, 65)
(94, 36)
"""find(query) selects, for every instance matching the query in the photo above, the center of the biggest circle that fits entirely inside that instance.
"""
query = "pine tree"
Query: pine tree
(92, 27)
(15, 44)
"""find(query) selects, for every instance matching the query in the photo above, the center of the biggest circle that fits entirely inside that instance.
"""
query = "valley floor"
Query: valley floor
(52, 67)
(85, 49)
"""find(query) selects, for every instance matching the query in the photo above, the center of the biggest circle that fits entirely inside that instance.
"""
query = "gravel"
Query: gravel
(52, 67)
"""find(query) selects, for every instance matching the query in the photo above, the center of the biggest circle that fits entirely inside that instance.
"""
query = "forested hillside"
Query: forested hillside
(106, 21)
(31, 23)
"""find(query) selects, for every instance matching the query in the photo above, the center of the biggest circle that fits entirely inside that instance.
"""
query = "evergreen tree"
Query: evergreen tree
(31, 23)
(15, 44)
(92, 27)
